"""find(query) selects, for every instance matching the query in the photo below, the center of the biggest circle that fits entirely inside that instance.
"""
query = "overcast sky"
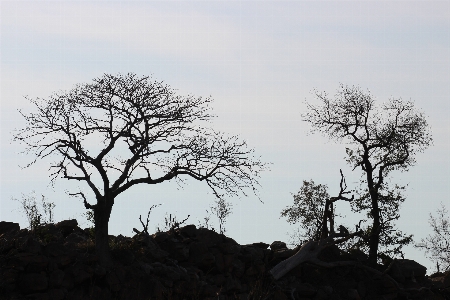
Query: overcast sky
(259, 61)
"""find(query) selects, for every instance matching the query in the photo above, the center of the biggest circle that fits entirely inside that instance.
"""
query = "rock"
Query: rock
(57, 294)
(252, 254)
(34, 282)
(80, 273)
(56, 278)
(188, 263)
(330, 253)
(353, 294)
(411, 268)
(67, 226)
(30, 244)
(54, 249)
(277, 245)
(160, 237)
(238, 268)
(113, 282)
(7, 227)
(188, 231)
(99, 271)
(356, 254)
(73, 239)
(282, 254)
(260, 245)
(361, 287)
(154, 251)
(305, 290)
(34, 263)
(406, 269)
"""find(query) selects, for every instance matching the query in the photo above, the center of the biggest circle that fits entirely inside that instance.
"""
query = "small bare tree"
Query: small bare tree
(222, 210)
(36, 215)
(121, 131)
(437, 244)
(382, 138)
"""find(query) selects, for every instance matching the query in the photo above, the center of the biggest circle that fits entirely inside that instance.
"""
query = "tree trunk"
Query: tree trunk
(102, 213)
(374, 238)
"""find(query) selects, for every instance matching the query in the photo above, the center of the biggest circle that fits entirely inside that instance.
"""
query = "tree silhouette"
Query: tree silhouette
(437, 245)
(124, 130)
(308, 210)
(382, 139)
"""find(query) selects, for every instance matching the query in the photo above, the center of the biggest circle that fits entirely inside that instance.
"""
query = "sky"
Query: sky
(260, 61)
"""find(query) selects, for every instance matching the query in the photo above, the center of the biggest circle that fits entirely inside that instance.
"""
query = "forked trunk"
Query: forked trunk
(102, 213)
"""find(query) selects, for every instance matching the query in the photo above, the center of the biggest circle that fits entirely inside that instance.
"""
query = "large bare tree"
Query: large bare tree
(381, 139)
(124, 130)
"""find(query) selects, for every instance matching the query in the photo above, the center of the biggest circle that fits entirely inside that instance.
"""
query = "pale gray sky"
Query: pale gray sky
(259, 60)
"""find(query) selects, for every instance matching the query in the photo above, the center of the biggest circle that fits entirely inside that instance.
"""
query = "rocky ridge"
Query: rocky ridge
(58, 261)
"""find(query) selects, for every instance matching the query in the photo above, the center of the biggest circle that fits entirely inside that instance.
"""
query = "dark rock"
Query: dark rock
(34, 282)
(73, 239)
(153, 250)
(80, 273)
(231, 248)
(355, 254)
(252, 254)
(30, 244)
(353, 294)
(98, 293)
(113, 281)
(330, 253)
(34, 263)
(56, 278)
(210, 238)
(160, 237)
(305, 290)
(99, 271)
(7, 227)
(67, 226)
(188, 231)
(238, 268)
(54, 249)
(57, 294)
(277, 245)
(282, 254)
(411, 268)
(260, 245)
(191, 263)
(406, 269)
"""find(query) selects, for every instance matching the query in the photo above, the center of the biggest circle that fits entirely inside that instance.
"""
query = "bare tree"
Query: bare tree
(35, 215)
(383, 139)
(437, 245)
(222, 210)
(124, 130)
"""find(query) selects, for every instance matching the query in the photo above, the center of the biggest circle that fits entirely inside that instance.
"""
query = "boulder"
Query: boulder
(34, 282)
(406, 269)
(67, 226)
(277, 245)
(6, 227)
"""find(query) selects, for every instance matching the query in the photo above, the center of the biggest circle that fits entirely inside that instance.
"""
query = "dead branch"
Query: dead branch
(308, 253)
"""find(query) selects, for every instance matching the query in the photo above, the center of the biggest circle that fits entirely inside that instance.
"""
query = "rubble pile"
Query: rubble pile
(58, 261)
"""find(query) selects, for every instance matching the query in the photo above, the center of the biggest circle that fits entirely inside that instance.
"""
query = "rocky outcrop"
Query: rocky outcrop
(58, 261)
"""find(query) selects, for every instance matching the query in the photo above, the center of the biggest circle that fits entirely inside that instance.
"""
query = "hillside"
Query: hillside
(57, 261)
